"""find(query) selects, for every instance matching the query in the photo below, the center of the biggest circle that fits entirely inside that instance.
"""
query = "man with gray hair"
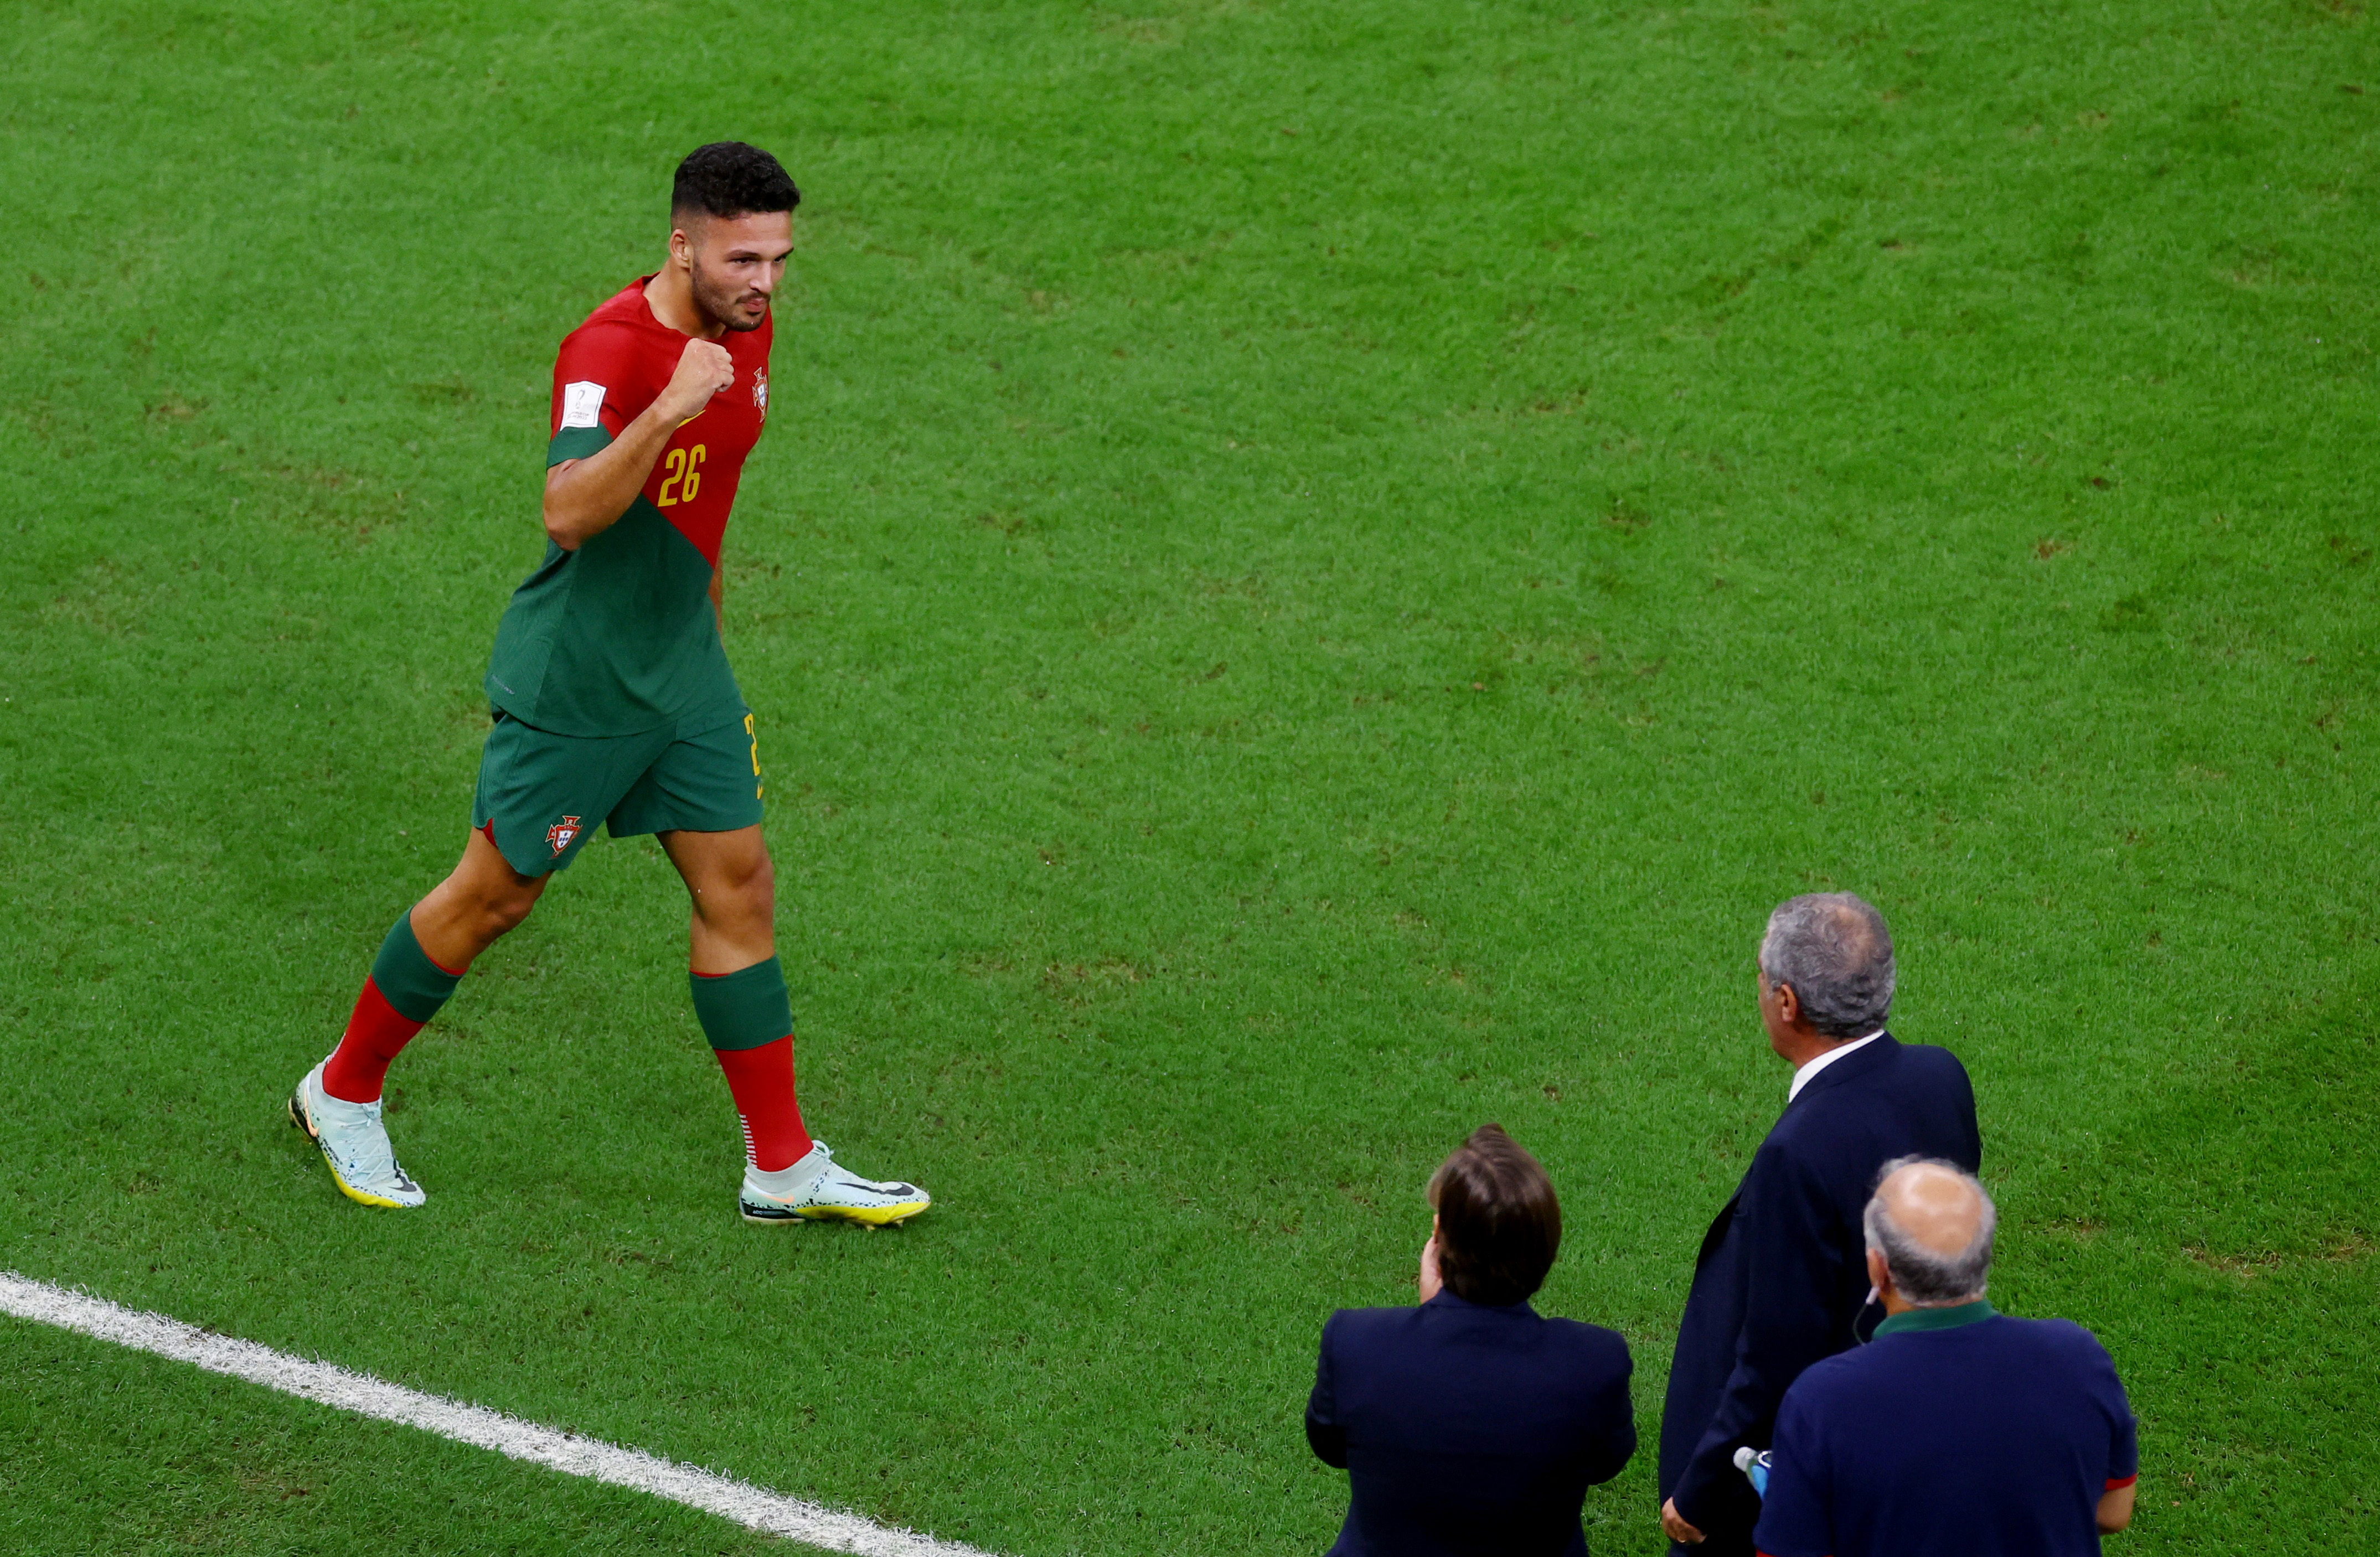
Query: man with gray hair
(1958, 1429)
(1779, 1282)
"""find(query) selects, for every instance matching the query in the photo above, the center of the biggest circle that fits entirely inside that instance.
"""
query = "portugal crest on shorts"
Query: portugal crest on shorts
(561, 833)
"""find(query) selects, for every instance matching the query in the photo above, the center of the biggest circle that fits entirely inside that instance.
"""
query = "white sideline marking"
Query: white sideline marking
(753, 1507)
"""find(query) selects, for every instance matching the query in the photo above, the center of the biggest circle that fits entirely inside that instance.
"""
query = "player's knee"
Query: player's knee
(753, 891)
(746, 889)
(502, 911)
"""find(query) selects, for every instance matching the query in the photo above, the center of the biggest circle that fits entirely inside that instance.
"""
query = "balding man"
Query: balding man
(1957, 1429)
(1780, 1280)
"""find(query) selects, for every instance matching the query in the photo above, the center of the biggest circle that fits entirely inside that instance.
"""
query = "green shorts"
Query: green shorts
(540, 793)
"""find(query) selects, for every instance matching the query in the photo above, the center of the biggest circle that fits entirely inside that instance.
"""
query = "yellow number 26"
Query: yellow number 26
(685, 468)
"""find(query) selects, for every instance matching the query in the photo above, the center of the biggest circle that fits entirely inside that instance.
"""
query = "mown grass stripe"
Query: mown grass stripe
(329, 1384)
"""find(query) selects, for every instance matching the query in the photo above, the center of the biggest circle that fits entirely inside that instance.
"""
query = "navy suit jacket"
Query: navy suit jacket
(1782, 1275)
(1467, 1429)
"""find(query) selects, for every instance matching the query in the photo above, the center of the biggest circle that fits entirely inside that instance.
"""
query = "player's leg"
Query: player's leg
(739, 987)
(703, 797)
(425, 953)
(538, 793)
(740, 997)
(731, 884)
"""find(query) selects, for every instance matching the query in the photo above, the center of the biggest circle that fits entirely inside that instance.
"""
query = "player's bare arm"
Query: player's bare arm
(584, 498)
(723, 272)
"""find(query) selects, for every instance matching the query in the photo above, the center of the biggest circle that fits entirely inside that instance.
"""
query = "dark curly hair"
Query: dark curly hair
(1498, 1224)
(728, 178)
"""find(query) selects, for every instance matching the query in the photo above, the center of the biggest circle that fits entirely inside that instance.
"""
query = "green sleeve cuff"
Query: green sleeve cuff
(576, 444)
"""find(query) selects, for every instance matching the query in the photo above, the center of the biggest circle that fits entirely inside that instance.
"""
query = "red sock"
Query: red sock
(762, 1082)
(375, 1035)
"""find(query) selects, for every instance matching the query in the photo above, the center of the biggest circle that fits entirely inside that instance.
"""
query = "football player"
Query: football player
(613, 704)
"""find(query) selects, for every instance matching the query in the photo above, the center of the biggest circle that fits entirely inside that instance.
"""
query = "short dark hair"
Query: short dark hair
(728, 178)
(1498, 1224)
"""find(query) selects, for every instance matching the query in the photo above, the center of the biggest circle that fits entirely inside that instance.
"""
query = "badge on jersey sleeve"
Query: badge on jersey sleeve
(582, 404)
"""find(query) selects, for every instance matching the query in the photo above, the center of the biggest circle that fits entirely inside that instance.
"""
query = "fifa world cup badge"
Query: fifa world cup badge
(761, 392)
(561, 833)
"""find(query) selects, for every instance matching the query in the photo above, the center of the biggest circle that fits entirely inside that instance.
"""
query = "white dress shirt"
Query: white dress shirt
(1807, 1069)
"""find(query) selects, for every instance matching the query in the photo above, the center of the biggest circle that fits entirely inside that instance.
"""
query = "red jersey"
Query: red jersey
(619, 636)
(617, 363)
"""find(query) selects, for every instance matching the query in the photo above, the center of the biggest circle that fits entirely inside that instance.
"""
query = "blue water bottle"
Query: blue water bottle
(1754, 1465)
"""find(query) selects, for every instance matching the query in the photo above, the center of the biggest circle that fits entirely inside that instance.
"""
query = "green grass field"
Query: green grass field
(1318, 570)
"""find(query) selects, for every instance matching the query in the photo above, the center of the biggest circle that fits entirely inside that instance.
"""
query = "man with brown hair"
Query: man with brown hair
(611, 703)
(1470, 1424)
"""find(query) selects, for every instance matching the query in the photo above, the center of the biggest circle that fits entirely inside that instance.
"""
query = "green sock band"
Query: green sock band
(412, 984)
(746, 1008)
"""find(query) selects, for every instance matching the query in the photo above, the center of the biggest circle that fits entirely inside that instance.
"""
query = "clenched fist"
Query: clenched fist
(703, 369)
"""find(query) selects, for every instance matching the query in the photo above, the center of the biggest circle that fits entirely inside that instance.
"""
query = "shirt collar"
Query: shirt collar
(1447, 1300)
(1807, 1069)
(1950, 1318)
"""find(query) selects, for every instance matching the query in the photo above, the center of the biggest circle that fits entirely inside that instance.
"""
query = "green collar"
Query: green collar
(1937, 1319)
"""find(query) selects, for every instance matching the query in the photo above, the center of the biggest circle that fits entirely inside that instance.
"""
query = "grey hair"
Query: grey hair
(1836, 952)
(1924, 1277)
